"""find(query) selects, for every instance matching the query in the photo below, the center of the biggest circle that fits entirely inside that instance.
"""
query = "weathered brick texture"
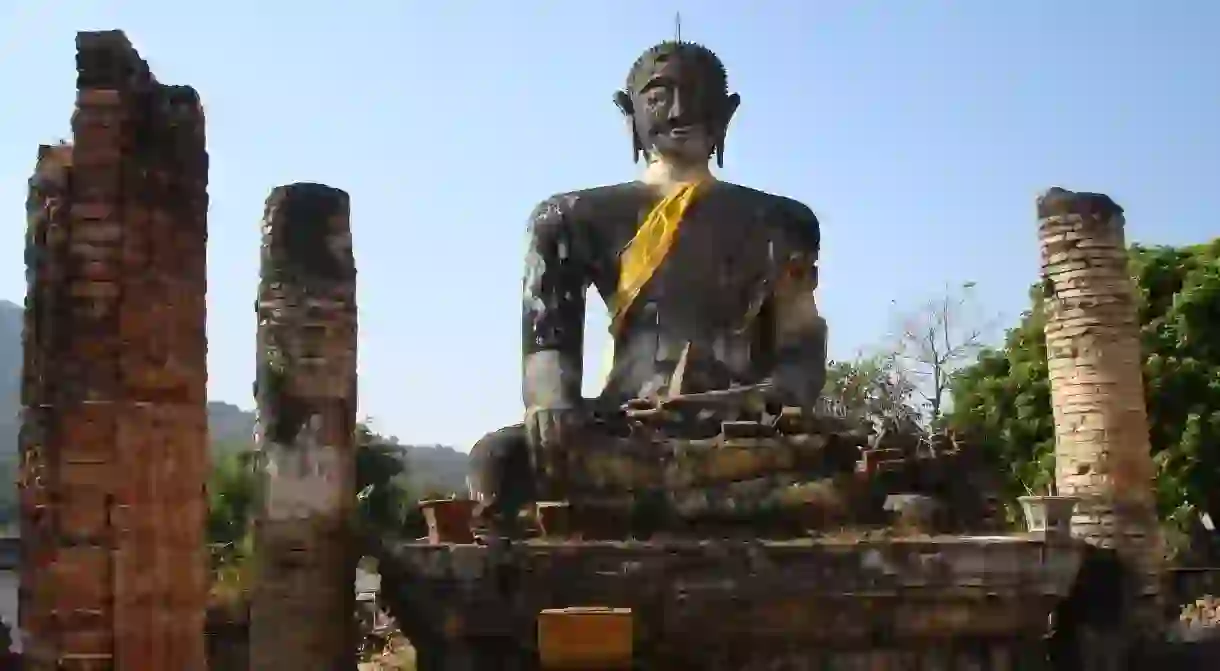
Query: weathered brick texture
(1102, 451)
(303, 602)
(816, 603)
(114, 432)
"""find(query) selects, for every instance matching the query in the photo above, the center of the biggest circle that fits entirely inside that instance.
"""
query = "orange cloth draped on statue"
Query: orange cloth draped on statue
(648, 249)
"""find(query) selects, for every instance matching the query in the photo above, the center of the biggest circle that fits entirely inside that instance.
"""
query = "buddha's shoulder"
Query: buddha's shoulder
(771, 204)
(583, 203)
(793, 219)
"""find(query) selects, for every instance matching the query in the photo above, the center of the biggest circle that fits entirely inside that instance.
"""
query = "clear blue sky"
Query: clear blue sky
(920, 132)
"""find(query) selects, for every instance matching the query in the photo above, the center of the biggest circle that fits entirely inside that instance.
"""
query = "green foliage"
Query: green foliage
(871, 388)
(231, 500)
(1002, 402)
(384, 505)
(384, 501)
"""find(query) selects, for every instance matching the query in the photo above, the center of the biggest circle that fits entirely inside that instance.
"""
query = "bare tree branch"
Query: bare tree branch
(935, 341)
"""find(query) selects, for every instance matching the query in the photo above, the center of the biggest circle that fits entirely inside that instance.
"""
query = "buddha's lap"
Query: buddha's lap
(717, 468)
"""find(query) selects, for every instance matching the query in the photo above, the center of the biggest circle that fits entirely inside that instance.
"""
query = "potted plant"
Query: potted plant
(1049, 515)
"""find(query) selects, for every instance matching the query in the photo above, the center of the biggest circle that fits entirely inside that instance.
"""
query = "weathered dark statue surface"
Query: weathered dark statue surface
(734, 291)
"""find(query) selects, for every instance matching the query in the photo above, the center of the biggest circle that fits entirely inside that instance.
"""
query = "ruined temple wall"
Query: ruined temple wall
(114, 431)
(301, 610)
(1102, 450)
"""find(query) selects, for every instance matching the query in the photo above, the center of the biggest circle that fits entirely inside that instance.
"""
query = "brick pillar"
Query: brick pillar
(114, 426)
(304, 594)
(1102, 451)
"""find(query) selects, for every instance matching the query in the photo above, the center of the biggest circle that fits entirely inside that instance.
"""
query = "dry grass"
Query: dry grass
(229, 587)
(397, 655)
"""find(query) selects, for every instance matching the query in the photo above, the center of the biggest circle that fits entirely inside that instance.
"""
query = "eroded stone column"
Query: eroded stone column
(304, 596)
(1102, 451)
(114, 427)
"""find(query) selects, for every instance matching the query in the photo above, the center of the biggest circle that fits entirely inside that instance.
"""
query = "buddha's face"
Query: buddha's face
(679, 107)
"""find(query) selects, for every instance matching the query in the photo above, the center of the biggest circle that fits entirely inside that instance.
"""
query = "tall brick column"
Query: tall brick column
(114, 427)
(1102, 451)
(304, 594)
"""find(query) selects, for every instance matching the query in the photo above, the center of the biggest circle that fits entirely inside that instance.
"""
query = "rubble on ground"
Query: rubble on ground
(1200, 619)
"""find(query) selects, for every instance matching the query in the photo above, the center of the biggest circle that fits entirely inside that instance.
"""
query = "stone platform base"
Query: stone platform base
(936, 602)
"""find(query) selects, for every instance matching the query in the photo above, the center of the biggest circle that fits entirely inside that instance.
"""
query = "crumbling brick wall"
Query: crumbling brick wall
(301, 614)
(114, 427)
(1102, 451)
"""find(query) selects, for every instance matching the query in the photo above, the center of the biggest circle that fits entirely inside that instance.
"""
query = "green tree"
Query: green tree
(871, 388)
(1002, 402)
(231, 500)
(384, 502)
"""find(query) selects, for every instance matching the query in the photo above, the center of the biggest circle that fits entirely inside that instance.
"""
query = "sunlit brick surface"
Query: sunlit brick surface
(114, 433)
(1102, 452)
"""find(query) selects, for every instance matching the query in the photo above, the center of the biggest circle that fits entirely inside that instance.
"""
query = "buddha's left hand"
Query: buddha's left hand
(797, 386)
(800, 371)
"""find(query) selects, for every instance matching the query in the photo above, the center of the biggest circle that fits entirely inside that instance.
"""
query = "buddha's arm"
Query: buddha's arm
(800, 332)
(553, 311)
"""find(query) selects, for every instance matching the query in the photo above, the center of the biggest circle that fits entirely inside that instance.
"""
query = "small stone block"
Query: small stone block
(554, 518)
(743, 429)
(586, 638)
(449, 520)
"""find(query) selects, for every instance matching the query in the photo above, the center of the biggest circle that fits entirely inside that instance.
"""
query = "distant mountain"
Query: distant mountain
(226, 422)
(229, 423)
(431, 467)
(436, 469)
(11, 316)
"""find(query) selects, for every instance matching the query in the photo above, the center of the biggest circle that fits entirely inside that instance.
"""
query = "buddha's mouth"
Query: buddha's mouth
(684, 131)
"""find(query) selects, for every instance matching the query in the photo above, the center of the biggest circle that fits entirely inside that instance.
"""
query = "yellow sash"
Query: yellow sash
(648, 249)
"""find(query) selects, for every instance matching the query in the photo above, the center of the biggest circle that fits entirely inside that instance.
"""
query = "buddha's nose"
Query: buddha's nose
(675, 110)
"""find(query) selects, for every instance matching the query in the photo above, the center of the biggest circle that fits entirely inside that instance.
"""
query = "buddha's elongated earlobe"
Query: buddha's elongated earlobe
(622, 100)
(730, 108)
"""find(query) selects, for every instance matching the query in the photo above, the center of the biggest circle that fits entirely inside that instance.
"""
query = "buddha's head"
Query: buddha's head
(677, 104)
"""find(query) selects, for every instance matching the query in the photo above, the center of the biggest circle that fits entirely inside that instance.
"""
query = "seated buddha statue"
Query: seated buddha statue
(690, 267)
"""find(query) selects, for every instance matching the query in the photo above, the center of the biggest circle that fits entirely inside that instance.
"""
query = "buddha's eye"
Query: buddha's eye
(656, 96)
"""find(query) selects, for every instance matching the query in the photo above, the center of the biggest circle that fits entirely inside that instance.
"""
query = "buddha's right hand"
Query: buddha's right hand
(550, 431)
